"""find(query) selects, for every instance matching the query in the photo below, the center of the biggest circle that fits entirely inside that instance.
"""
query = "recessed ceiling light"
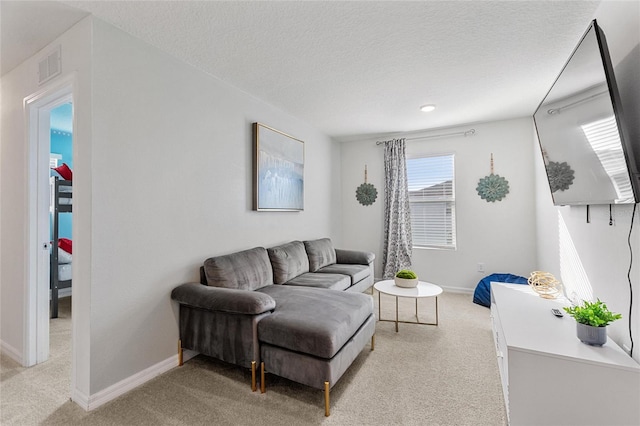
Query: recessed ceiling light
(427, 108)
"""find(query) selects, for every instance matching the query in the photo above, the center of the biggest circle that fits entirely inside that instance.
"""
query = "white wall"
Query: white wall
(600, 249)
(499, 234)
(14, 272)
(172, 185)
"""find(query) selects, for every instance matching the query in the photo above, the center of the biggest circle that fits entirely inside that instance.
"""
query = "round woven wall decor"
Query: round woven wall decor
(366, 193)
(492, 188)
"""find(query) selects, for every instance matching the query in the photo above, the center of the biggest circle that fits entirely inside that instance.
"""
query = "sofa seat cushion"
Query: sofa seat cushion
(314, 321)
(244, 270)
(321, 253)
(356, 272)
(330, 281)
(288, 261)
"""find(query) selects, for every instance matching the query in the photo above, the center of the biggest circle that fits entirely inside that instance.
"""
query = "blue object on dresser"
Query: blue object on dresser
(482, 294)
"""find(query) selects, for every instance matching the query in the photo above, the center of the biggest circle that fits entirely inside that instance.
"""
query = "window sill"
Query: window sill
(435, 248)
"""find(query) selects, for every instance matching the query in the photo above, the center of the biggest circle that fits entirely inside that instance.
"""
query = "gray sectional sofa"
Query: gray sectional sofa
(297, 310)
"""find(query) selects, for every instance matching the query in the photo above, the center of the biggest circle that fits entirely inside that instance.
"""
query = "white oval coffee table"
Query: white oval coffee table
(422, 290)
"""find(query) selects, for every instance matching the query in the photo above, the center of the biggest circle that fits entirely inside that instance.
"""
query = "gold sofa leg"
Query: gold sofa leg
(326, 399)
(262, 384)
(373, 342)
(254, 387)
(180, 362)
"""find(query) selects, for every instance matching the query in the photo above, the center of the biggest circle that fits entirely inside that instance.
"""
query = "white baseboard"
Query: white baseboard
(11, 352)
(80, 398)
(188, 354)
(123, 386)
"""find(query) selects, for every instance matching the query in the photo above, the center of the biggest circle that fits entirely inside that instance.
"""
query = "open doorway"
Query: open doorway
(51, 102)
(61, 237)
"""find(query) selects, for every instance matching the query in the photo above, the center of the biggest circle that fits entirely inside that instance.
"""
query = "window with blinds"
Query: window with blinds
(432, 200)
(604, 139)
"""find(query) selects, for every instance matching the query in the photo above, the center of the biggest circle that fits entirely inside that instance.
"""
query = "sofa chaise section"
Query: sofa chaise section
(314, 335)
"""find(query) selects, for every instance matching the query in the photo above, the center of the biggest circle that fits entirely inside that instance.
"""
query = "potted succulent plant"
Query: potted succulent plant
(592, 319)
(406, 278)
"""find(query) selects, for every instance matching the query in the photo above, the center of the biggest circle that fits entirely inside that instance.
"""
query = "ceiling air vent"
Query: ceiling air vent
(50, 66)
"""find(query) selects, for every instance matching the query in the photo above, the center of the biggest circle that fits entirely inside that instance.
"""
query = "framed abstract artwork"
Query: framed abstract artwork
(278, 170)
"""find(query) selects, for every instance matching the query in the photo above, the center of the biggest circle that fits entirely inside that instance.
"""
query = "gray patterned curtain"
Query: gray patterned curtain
(396, 253)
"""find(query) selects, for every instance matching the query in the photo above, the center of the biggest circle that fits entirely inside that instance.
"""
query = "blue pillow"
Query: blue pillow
(482, 295)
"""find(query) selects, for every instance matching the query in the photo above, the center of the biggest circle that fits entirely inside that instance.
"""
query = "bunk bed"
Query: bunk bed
(60, 276)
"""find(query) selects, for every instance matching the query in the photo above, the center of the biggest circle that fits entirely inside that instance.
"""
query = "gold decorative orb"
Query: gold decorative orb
(545, 284)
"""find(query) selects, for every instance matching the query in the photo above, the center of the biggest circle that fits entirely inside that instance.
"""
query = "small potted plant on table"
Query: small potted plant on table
(406, 278)
(592, 319)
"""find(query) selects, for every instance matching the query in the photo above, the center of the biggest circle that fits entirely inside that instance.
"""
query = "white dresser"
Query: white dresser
(548, 376)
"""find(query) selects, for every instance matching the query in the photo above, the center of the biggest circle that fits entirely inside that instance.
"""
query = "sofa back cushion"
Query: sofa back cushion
(288, 261)
(244, 270)
(321, 253)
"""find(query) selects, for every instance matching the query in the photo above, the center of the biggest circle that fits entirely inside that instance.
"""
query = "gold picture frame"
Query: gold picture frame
(278, 170)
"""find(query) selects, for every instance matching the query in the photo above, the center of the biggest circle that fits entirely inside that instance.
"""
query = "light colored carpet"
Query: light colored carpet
(422, 375)
(29, 395)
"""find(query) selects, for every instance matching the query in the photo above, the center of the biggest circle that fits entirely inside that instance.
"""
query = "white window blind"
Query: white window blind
(604, 138)
(432, 200)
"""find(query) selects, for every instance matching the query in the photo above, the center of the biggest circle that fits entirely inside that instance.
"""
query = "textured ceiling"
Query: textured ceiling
(364, 68)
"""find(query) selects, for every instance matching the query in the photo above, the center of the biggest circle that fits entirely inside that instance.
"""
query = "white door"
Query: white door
(37, 108)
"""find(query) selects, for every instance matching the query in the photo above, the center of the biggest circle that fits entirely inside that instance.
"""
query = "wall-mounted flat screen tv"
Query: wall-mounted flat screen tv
(588, 159)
